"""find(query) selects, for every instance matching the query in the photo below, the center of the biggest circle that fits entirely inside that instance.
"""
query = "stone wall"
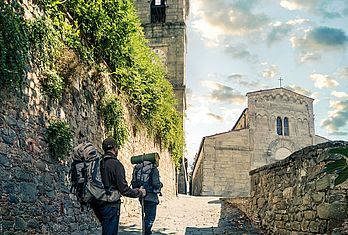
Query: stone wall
(289, 197)
(34, 188)
(223, 165)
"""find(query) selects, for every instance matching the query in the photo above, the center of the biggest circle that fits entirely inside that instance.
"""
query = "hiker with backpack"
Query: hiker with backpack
(146, 174)
(99, 182)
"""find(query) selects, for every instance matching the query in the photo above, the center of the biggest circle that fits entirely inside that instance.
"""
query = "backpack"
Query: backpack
(142, 176)
(85, 177)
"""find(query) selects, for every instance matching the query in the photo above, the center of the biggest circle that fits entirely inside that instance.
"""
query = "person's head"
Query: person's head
(109, 144)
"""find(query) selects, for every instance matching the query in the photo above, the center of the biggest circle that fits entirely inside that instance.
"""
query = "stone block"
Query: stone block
(309, 215)
(336, 196)
(305, 226)
(20, 224)
(323, 183)
(318, 196)
(295, 226)
(333, 211)
(288, 192)
(314, 226)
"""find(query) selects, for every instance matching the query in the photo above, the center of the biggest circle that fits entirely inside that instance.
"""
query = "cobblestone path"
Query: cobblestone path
(193, 216)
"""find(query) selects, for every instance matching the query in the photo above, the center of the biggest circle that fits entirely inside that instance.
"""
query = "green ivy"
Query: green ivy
(109, 31)
(52, 85)
(59, 138)
(14, 44)
(45, 43)
(112, 111)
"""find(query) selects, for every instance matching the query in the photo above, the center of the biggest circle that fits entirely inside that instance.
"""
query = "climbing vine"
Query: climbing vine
(14, 45)
(59, 138)
(102, 31)
(112, 111)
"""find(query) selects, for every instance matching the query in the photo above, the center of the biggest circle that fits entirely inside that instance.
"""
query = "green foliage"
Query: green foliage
(338, 165)
(13, 44)
(109, 31)
(115, 124)
(59, 138)
(45, 43)
(52, 85)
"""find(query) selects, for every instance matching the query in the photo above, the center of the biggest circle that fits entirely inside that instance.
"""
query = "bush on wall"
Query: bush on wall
(112, 111)
(14, 45)
(59, 138)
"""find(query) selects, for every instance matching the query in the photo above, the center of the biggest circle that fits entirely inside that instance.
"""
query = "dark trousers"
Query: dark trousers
(109, 217)
(150, 215)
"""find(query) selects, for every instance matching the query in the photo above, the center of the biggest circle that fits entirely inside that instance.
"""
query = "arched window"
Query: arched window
(286, 126)
(279, 126)
(158, 11)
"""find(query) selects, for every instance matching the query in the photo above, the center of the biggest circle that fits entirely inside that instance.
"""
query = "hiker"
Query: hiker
(147, 175)
(113, 177)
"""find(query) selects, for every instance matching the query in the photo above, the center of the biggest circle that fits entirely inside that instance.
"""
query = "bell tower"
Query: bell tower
(165, 28)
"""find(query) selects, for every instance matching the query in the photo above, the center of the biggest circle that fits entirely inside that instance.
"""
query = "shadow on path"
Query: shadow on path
(232, 221)
(134, 229)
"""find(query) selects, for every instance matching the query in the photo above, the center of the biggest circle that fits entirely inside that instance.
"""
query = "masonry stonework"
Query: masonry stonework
(34, 188)
(291, 197)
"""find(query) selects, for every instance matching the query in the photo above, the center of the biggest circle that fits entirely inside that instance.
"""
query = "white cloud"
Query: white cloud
(270, 72)
(323, 81)
(290, 5)
(337, 118)
(216, 19)
(309, 57)
(324, 8)
(340, 94)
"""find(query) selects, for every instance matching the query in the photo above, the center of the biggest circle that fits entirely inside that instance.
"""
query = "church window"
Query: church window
(158, 11)
(279, 126)
(286, 126)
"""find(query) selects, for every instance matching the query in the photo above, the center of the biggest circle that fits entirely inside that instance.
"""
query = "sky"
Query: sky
(235, 47)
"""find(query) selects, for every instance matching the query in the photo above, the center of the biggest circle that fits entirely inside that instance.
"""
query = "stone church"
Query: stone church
(276, 123)
(164, 26)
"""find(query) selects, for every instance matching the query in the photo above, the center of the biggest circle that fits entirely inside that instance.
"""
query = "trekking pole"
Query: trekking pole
(142, 216)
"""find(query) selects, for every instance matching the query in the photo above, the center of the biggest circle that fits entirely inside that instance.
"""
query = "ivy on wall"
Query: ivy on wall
(14, 45)
(112, 111)
(59, 138)
(105, 31)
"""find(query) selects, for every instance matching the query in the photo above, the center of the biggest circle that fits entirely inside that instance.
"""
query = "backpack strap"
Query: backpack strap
(104, 158)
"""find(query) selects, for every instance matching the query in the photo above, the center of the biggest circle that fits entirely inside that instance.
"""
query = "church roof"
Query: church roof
(279, 88)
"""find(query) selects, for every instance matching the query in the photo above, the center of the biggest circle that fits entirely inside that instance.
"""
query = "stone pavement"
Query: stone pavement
(190, 215)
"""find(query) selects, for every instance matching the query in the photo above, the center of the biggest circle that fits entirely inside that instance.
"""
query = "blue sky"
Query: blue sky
(235, 47)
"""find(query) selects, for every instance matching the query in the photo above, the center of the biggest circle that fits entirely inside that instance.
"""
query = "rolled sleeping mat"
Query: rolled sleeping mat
(151, 157)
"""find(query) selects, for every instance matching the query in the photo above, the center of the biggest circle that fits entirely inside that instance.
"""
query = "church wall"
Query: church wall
(264, 108)
(224, 165)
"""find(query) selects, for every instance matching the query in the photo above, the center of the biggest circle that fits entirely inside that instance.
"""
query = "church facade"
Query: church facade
(276, 123)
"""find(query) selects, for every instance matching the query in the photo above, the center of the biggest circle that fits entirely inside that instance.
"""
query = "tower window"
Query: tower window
(158, 11)
(279, 126)
(286, 126)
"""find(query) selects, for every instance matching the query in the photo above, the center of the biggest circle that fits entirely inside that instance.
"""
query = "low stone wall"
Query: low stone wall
(289, 197)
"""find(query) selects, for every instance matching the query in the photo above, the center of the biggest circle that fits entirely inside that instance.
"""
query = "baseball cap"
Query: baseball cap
(109, 143)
